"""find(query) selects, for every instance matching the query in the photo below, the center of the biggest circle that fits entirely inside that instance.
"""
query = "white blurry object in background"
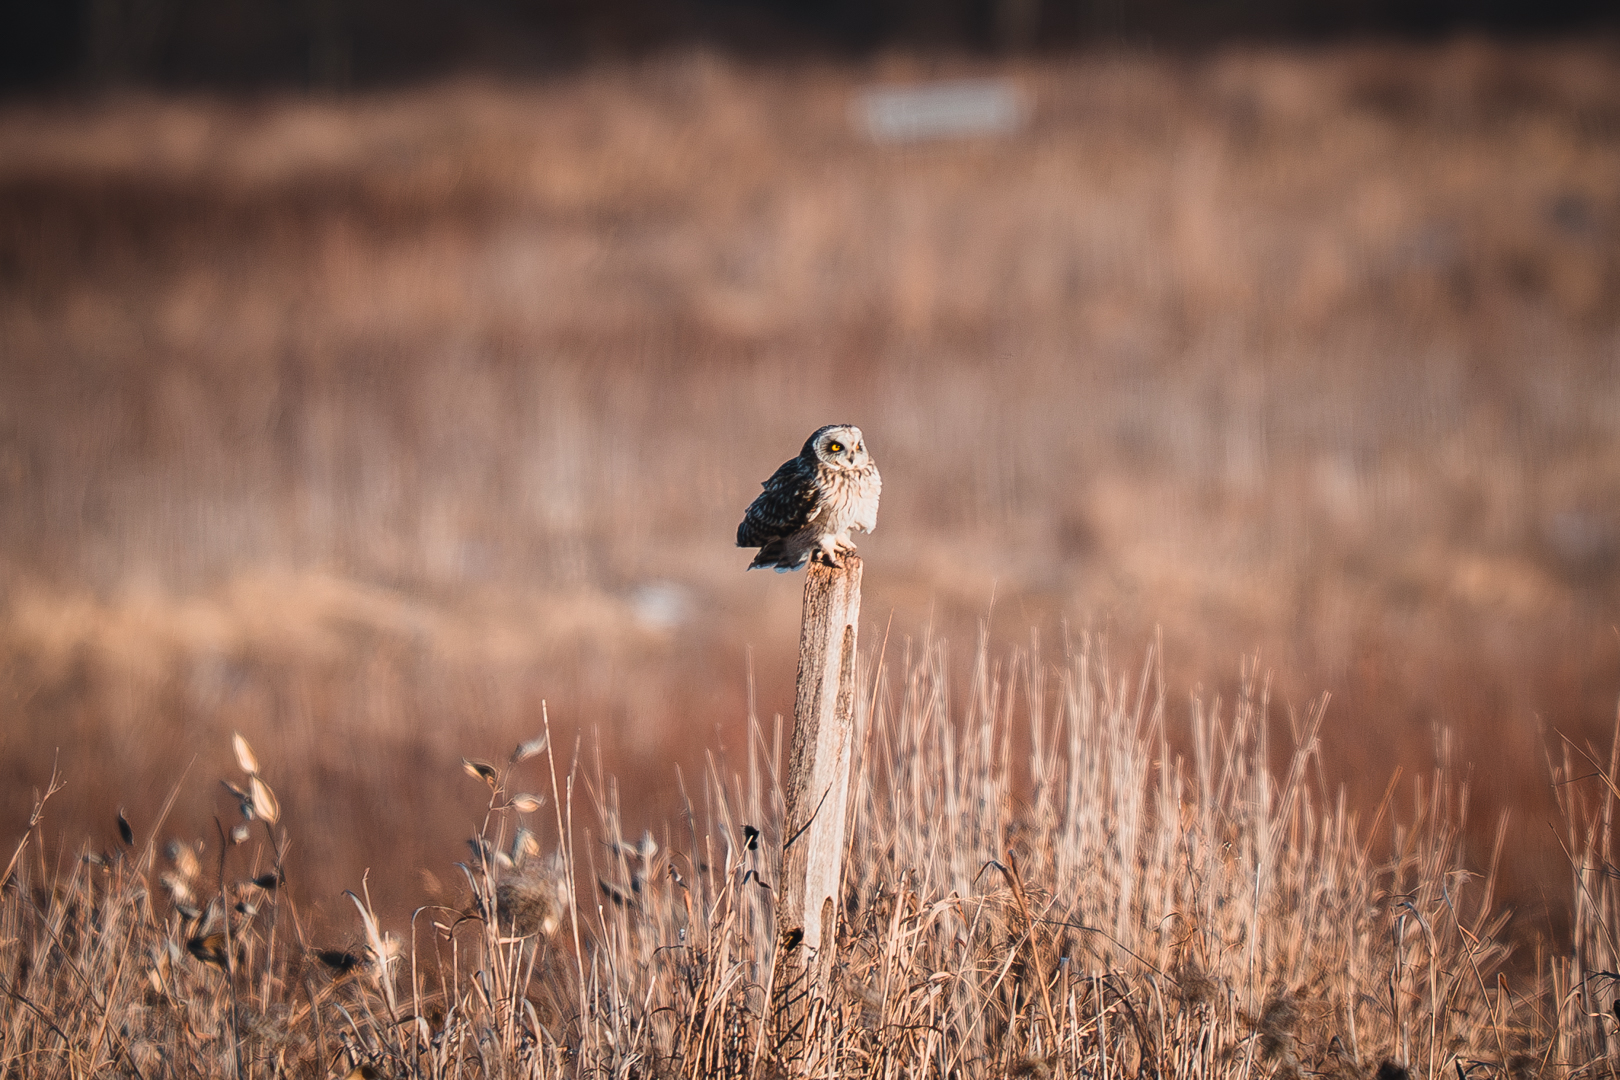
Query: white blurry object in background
(941, 110)
(660, 605)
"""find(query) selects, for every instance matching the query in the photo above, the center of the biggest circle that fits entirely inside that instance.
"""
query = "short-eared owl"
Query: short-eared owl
(811, 503)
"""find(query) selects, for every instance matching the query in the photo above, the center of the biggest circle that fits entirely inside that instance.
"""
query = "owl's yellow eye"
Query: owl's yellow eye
(835, 448)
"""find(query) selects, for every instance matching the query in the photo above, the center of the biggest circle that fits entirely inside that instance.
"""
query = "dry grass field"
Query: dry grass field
(364, 426)
(1089, 909)
(1097, 907)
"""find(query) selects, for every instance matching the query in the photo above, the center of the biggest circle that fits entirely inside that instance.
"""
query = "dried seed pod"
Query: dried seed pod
(184, 859)
(527, 750)
(209, 949)
(264, 800)
(245, 756)
(481, 770)
(525, 845)
(244, 801)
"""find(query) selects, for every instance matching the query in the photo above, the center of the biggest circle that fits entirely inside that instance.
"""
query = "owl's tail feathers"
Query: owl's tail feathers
(780, 557)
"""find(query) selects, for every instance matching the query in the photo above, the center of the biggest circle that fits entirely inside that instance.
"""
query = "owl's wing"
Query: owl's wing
(784, 507)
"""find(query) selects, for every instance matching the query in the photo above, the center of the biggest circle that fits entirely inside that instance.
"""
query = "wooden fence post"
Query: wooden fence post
(817, 794)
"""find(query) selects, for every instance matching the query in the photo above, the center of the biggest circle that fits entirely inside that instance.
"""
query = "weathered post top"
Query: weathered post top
(817, 794)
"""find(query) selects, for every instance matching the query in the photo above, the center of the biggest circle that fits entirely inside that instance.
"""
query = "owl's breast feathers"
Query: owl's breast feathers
(849, 498)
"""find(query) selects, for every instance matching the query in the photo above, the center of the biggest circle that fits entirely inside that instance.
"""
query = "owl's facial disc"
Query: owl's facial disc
(845, 448)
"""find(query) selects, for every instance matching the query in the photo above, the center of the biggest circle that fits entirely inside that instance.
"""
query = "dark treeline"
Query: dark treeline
(50, 44)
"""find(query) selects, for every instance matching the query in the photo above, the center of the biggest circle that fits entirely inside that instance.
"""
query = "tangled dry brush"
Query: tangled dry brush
(1039, 883)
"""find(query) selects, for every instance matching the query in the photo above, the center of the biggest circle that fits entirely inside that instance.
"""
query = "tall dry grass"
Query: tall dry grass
(1588, 982)
(1093, 904)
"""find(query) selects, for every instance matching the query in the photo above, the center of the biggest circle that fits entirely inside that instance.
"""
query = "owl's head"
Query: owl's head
(840, 445)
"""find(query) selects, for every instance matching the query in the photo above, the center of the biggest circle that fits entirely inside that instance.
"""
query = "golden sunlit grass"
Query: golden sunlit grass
(1092, 905)
(360, 425)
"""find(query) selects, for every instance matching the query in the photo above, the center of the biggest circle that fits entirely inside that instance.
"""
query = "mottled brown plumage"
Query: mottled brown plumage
(811, 503)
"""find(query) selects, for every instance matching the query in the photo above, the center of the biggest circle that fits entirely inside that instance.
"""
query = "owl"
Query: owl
(811, 503)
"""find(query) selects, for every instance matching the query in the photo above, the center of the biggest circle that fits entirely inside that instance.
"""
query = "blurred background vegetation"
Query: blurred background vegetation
(370, 374)
(337, 44)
